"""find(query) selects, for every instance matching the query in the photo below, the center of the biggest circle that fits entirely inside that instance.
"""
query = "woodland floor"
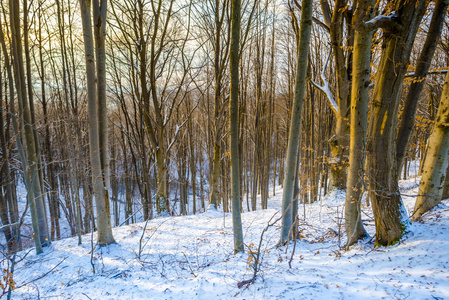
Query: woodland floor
(192, 258)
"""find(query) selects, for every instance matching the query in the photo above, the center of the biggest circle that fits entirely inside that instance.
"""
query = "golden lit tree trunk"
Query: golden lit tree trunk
(437, 159)
(359, 123)
(399, 33)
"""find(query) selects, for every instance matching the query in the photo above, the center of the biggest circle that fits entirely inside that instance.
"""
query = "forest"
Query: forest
(208, 148)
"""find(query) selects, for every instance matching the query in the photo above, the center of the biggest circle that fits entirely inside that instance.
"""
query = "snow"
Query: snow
(390, 17)
(192, 257)
(325, 88)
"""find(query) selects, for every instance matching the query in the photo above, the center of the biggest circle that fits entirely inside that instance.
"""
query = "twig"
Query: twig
(42, 276)
(143, 234)
(256, 256)
(190, 266)
(92, 251)
(294, 245)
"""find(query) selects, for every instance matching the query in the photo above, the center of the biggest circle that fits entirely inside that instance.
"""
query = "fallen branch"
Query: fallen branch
(190, 266)
(42, 276)
(256, 256)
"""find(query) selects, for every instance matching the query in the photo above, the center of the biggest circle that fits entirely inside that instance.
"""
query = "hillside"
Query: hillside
(192, 258)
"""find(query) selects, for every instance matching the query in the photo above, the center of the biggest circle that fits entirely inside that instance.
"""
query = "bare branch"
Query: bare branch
(325, 88)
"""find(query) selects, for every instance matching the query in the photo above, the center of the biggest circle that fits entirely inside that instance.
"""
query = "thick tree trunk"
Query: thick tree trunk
(389, 213)
(437, 160)
(446, 186)
(295, 124)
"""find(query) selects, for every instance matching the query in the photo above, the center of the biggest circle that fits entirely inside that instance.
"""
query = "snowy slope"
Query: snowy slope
(192, 258)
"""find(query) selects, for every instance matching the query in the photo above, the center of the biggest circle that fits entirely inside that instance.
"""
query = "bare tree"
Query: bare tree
(97, 106)
(422, 68)
(359, 122)
(295, 123)
(30, 163)
(234, 124)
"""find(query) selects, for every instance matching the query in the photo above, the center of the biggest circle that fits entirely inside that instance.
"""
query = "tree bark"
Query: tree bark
(30, 164)
(295, 123)
(359, 122)
(399, 33)
(11, 196)
(437, 159)
(419, 80)
(100, 187)
(219, 63)
(234, 124)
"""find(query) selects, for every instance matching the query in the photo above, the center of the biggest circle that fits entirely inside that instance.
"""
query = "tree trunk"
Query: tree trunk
(437, 160)
(295, 124)
(445, 194)
(234, 124)
(161, 193)
(6, 185)
(419, 79)
(359, 122)
(33, 185)
(389, 213)
(100, 186)
(219, 64)
(192, 161)
(215, 178)
(11, 196)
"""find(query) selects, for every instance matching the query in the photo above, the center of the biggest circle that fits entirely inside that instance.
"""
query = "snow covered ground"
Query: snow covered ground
(192, 258)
